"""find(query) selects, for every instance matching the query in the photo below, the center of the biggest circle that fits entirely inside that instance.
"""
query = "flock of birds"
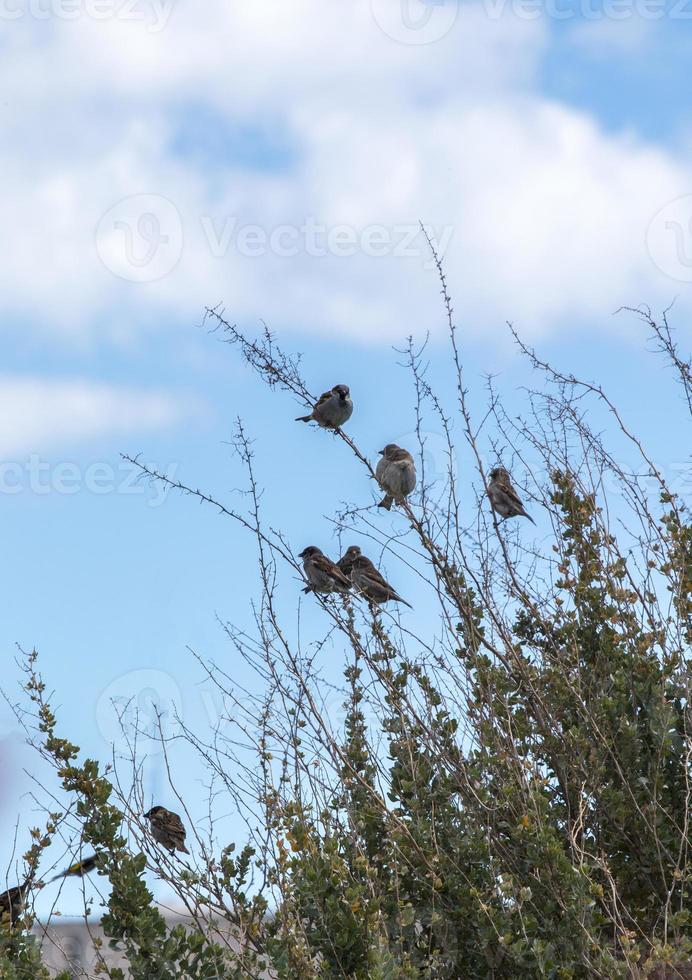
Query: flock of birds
(166, 828)
(12, 900)
(396, 475)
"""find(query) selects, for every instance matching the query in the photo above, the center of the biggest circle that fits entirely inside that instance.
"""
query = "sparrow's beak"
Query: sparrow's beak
(381, 452)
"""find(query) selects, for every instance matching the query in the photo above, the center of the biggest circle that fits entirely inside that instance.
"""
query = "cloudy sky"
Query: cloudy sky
(159, 157)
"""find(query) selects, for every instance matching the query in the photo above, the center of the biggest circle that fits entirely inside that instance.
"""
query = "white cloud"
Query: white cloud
(37, 415)
(547, 212)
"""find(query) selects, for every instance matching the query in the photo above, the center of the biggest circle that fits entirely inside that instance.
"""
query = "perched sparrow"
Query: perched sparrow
(346, 562)
(321, 572)
(503, 497)
(167, 828)
(371, 584)
(12, 902)
(332, 409)
(396, 474)
(80, 868)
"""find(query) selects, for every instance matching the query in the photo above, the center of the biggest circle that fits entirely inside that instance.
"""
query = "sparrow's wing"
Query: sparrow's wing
(175, 824)
(511, 493)
(176, 833)
(373, 577)
(324, 397)
(514, 499)
(373, 584)
(327, 566)
(371, 581)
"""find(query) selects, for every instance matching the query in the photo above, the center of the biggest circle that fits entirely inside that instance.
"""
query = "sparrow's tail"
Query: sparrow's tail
(182, 848)
(386, 502)
(304, 418)
(524, 514)
(403, 601)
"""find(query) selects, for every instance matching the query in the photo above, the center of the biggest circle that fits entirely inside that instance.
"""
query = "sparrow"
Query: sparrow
(12, 902)
(321, 572)
(396, 474)
(167, 828)
(345, 563)
(503, 497)
(371, 584)
(332, 408)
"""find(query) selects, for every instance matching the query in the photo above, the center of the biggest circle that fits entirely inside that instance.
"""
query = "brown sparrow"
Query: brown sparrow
(12, 902)
(332, 409)
(167, 828)
(396, 474)
(371, 584)
(503, 497)
(346, 562)
(321, 572)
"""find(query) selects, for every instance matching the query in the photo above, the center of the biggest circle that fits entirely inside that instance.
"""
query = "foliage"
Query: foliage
(505, 796)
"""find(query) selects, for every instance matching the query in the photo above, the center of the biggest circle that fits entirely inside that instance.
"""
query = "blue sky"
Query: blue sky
(276, 159)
